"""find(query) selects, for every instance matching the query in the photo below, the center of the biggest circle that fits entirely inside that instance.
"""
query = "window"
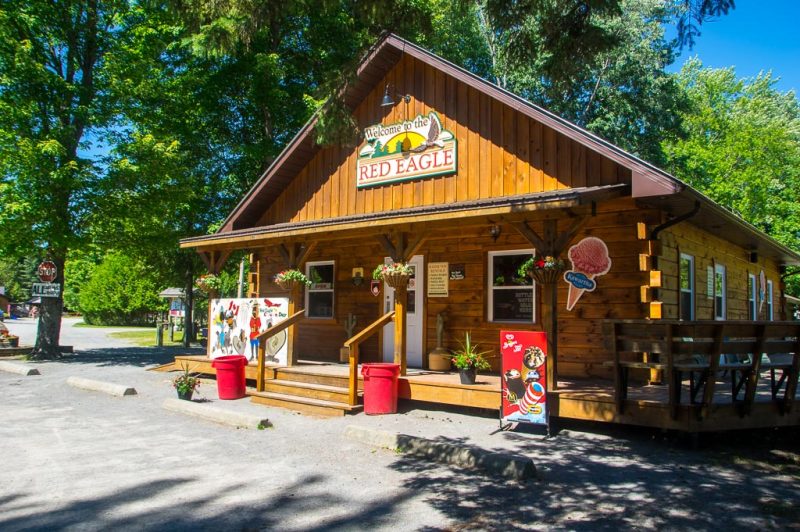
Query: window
(752, 310)
(319, 294)
(720, 296)
(511, 295)
(687, 287)
(770, 315)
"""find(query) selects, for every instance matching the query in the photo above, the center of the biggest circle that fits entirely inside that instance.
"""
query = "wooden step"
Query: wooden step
(304, 374)
(311, 390)
(305, 405)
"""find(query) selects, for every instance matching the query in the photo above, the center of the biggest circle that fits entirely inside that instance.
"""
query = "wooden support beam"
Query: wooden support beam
(386, 242)
(415, 245)
(711, 380)
(567, 236)
(284, 254)
(530, 235)
(400, 327)
(302, 254)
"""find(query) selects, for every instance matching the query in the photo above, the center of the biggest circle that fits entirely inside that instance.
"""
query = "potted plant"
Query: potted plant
(287, 279)
(468, 360)
(185, 384)
(395, 274)
(543, 269)
(208, 283)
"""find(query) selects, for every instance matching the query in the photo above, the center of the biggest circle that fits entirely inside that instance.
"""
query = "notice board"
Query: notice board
(524, 378)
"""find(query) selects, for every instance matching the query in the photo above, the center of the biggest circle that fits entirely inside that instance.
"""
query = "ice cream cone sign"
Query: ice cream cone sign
(589, 259)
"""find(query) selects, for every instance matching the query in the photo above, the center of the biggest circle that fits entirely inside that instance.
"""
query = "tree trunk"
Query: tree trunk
(49, 332)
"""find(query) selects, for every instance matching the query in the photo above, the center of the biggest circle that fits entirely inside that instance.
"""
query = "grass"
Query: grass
(146, 337)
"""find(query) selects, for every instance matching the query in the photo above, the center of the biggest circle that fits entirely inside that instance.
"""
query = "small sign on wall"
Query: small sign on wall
(438, 276)
(457, 272)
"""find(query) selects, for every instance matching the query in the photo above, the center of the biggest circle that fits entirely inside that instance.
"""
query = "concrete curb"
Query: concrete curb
(120, 390)
(19, 369)
(501, 464)
(218, 415)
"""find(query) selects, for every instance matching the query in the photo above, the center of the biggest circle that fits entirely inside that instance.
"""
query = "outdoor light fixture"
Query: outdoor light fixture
(494, 230)
(358, 276)
(388, 99)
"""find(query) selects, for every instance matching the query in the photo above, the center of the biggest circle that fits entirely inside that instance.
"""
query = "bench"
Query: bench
(704, 350)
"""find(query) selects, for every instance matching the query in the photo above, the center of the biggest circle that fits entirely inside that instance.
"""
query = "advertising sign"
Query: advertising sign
(589, 259)
(524, 377)
(411, 149)
(237, 322)
(45, 289)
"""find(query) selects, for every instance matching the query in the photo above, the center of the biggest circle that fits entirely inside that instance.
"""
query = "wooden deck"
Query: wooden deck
(583, 399)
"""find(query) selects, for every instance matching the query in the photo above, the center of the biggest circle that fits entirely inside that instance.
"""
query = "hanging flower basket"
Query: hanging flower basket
(397, 280)
(207, 283)
(395, 275)
(289, 279)
(544, 270)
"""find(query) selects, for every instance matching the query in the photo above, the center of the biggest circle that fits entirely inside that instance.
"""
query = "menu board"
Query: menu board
(513, 305)
(524, 378)
(438, 277)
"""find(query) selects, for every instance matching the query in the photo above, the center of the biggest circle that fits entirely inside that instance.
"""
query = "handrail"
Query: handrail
(269, 333)
(352, 345)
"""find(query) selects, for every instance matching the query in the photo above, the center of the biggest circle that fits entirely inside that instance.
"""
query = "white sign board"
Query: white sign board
(237, 322)
(45, 289)
(438, 279)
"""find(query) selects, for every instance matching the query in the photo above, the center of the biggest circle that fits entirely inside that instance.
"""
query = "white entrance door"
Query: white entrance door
(414, 323)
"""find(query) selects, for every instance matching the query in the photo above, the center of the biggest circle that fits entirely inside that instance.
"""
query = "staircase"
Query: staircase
(307, 389)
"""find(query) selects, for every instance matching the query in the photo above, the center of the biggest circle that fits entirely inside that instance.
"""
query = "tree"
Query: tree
(742, 147)
(52, 93)
(121, 291)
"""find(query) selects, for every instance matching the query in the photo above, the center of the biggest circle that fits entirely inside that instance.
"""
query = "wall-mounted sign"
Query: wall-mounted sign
(457, 272)
(237, 322)
(589, 259)
(438, 279)
(411, 149)
(375, 287)
(47, 271)
(524, 394)
(46, 289)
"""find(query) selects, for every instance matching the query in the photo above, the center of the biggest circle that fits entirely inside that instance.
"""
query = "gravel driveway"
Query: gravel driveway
(86, 461)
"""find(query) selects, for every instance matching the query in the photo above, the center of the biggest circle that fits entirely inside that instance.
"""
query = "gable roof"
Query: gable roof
(647, 180)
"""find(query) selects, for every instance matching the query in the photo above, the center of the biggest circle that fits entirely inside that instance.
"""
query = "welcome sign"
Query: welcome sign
(411, 149)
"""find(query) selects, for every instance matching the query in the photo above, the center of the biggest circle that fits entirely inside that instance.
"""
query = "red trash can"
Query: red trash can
(230, 376)
(380, 388)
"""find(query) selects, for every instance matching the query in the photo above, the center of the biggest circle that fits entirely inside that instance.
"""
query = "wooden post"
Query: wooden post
(550, 235)
(295, 296)
(400, 296)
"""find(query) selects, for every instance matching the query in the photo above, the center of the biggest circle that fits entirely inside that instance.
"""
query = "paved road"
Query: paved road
(79, 337)
(78, 460)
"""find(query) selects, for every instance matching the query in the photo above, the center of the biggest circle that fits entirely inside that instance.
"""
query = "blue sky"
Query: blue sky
(755, 36)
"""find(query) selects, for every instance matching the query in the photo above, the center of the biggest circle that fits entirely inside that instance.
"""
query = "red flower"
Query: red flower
(540, 264)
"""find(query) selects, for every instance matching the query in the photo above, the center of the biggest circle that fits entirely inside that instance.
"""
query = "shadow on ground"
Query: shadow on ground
(118, 511)
(129, 356)
(622, 478)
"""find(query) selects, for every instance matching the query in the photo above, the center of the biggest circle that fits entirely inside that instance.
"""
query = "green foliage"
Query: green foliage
(467, 356)
(122, 291)
(742, 147)
(18, 275)
(78, 271)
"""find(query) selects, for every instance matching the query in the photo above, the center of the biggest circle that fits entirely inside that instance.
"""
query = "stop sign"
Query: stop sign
(47, 271)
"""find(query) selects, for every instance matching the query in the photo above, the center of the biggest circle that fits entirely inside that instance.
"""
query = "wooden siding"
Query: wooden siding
(581, 351)
(708, 249)
(501, 152)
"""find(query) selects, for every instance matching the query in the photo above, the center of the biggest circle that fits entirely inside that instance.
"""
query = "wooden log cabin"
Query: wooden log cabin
(465, 181)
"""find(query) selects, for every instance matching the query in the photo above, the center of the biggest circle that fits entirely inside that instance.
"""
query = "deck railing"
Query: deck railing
(266, 335)
(702, 350)
(352, 345)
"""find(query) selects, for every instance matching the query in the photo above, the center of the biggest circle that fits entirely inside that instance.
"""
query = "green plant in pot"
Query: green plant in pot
(287, 279)
(468, 360)
(185, 384)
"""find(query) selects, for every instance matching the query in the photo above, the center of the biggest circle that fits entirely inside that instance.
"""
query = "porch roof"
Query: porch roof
(509, 207)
